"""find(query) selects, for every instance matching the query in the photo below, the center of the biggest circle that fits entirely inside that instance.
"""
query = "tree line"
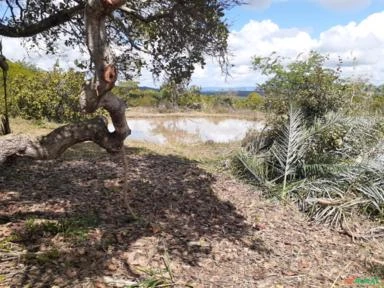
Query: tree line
(37, 94)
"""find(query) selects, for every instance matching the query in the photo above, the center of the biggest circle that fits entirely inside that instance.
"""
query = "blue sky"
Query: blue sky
(351, 29)
(308, 15)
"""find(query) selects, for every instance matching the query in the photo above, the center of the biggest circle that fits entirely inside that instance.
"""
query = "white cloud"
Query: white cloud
(260, 4)
(360, 45)
(255, 39)
(14, 50)
(344, 4)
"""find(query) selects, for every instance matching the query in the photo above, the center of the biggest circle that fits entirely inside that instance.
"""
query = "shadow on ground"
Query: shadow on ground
(93, 234)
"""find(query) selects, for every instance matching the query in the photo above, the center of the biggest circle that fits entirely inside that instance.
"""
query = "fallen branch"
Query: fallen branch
(325, 201)
(118, 282)
(376, 232)
(374, 261)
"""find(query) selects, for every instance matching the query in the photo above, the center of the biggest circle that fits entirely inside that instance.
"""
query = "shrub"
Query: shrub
(37, 94)
(253, 101)
(377, 105)
(306, 84)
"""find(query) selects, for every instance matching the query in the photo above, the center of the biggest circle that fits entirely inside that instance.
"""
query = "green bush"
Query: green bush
(306, 84)
(253, 101)
(377, 105)
(130, 92)
(190, 98)
(37, 94)
(143, 98)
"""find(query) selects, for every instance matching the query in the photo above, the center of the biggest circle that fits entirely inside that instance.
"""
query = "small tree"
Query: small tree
(170, 92)
(254, 101)
(306, 84)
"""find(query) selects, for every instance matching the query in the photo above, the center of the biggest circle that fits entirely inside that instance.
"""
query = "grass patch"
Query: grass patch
(162, 277)
(74, 227)
(6, 245)
(42, 258)
(209, 156)
(33, 128)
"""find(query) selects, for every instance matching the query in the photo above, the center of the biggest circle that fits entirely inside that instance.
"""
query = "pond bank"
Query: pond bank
(142, 112)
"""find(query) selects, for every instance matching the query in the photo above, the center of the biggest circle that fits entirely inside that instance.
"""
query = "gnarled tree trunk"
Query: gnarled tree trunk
(96, 94)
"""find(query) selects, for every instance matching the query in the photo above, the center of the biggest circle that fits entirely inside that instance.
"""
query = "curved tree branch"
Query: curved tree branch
(146, 19)
(55, 143)
(56, 19)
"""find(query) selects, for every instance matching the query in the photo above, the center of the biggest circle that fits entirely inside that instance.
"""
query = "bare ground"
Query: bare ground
(63, 223)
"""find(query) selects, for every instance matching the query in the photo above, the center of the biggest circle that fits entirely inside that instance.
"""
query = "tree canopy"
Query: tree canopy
(175, 34)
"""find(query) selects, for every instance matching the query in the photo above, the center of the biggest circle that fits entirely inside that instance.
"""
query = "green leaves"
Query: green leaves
(37, 94)
(170, 36)
(305, 83)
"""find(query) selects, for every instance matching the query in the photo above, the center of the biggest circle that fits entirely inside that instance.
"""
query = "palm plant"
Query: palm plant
(330, 169)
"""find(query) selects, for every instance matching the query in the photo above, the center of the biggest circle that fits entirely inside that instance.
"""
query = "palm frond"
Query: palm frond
(288, 147)
(324, 169)
(328, 180)
(375, 194)
(333, 212)
(254, 164)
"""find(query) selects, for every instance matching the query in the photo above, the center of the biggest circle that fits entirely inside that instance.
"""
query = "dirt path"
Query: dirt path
(63, 224)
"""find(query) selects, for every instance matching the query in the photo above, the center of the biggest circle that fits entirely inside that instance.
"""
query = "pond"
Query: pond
(161, 130)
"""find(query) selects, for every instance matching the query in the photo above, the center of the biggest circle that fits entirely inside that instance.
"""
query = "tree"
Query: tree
(254, 101)
(306, 83)
(176, 34)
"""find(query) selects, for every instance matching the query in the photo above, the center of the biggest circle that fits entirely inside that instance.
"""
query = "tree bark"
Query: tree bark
(96, 94)
(55, 143)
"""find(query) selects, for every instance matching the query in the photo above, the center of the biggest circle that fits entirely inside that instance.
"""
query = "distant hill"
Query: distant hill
(238, 91)
(226, 89)
(148, 88)
(241, 93)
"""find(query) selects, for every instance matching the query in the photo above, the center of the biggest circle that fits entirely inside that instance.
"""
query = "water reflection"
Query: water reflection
(188, 130)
